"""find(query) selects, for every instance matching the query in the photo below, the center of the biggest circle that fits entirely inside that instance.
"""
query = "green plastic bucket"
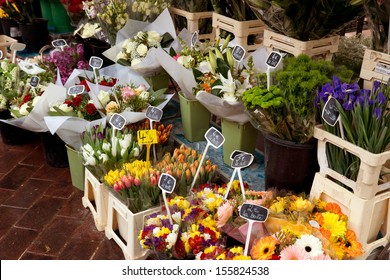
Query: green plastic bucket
(76, 167)
(238, 136)
(195, 119)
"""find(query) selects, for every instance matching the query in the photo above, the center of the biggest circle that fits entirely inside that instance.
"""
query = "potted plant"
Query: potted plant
(286, 114)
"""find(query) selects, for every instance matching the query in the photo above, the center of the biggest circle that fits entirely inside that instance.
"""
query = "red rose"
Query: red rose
(77, 100)
(84, 82)
(26, 98)
(91, 109)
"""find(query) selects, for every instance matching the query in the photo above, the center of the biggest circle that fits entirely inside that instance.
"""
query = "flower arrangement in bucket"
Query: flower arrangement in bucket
(105, 149)
(364, 117)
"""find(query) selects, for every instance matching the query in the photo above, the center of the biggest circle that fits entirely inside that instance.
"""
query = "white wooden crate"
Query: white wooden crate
(375, 66)
(96, 199)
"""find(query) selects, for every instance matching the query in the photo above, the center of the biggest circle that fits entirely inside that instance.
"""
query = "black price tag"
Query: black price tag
(117, 121)
(167, 183)
(214, 137)
(238, 53)
(1, 54)
(194, 38)
(274, 59)
(34, 81)
(330, 113)
(59, 43)
(236, 152)
(242, 160)
(154, 113)
(95, 62)
(74, 90)
(254, 212)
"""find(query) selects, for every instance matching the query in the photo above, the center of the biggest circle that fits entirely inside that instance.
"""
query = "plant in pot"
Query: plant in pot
(286, 114)
(33, 30)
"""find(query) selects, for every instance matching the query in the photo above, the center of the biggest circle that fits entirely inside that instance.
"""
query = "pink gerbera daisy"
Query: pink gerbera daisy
(294, 252)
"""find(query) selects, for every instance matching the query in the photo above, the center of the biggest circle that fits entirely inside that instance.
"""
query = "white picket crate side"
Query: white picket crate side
(368, 182)
(124, 227)
(368, 218)
(375, 66)
(96, 199)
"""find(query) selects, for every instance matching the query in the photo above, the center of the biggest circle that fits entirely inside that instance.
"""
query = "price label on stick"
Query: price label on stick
(238, 53)
(242, 160)
(273, 59)
(254, 212)
(167, 183)
(75, 90)
(330, 113)
(95, 62)
(1, 54)
(146, 137)
(59, 43)
(214, 137)
(34, 81)
(117, 121)
(154, 113)
(194, 38)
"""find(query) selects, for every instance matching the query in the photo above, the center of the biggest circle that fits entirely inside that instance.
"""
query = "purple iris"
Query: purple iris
(378, 112)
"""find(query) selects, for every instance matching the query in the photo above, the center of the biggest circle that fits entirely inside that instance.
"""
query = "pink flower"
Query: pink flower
(128, 94)
(293, 252)
(137, 182)
(127, 180)
(176, 57)
(225, 211)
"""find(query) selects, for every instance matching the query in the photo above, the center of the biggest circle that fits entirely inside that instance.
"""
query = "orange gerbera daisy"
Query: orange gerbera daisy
(334, 208)
(353, 248)
(264, 248)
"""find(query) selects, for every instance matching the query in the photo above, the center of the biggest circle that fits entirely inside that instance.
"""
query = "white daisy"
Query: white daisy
(311, 244)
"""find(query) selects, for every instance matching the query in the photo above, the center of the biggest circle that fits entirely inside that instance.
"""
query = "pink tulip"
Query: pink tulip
(137, 182)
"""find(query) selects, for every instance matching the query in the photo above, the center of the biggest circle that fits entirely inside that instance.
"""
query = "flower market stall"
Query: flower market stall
(159, 126)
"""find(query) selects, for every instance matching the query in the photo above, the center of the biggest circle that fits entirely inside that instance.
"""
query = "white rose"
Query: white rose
(185, 60)
(104, 97)
(65, 108)
(153, 38)
(24, 109)
(120, 55)
(142, 49)
(135, 61)
(204, 67)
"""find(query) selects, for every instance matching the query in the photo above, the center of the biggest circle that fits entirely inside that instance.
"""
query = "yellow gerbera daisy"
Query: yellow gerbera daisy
(332, 223)
(264, 248)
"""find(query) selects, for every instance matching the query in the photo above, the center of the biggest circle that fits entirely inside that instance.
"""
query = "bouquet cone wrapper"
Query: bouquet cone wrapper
(35, 120)
(231, 111)
(149, 66)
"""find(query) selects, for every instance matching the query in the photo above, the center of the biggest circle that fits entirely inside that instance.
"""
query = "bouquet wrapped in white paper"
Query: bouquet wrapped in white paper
(137, 41)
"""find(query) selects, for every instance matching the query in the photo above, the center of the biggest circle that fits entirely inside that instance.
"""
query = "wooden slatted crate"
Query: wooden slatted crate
(240, 29)
(375, 66)
(324, 48)
(5, 43)
(193, 22)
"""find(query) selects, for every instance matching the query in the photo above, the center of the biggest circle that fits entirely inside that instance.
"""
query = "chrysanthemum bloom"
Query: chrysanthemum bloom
(294, 252)
(264, 248)
(311, 244)
(301, 205)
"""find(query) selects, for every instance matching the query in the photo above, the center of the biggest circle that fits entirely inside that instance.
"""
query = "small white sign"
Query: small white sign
(59, 43)
(382, 68)
(95, 62)
(238, 53)
(1, 54)
(194, 38)
(74, 90)
(34, 81)
(273, 59)
(117, 121)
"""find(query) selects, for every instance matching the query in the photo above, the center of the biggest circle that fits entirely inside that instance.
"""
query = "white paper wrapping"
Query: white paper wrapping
(35, 120)
(123, 74)
(149, 66)
(217, 106)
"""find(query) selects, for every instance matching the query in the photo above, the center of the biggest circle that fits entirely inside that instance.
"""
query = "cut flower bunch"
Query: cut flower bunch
(103, 151)
(365, 119)
(129, 98)
(306, 229)
(307, 20)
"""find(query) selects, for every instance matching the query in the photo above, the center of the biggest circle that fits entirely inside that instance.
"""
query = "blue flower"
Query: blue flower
(381, 98)
(378, 112)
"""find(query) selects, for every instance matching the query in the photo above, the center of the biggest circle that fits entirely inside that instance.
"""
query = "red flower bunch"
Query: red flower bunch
(77, 106)
(105, 81)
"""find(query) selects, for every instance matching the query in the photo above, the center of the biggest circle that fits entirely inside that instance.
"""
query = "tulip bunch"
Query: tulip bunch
(182, 165)
(137, 184)
(163, 132)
